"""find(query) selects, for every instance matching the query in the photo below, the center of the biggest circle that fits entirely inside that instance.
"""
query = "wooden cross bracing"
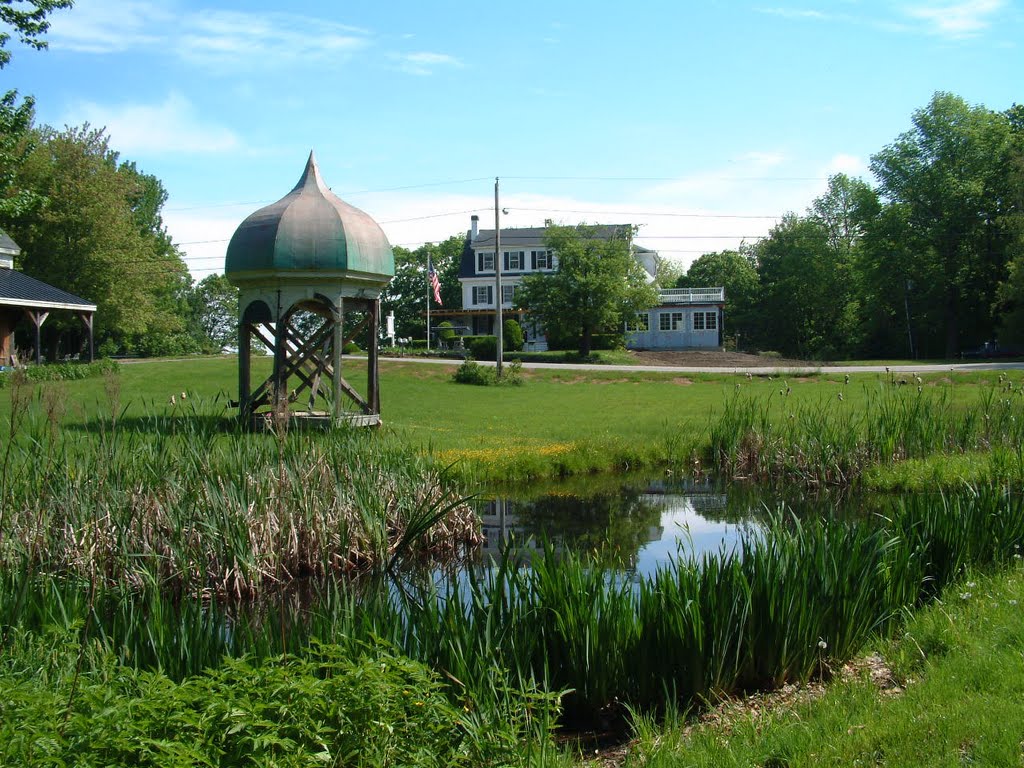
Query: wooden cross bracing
(314, 359)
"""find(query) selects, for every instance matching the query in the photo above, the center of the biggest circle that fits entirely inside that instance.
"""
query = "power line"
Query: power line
(346, 194)
(665, 178)
(650, 213)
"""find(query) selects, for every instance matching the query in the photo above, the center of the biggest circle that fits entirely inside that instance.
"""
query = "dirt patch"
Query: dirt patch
(682, 381)
(713, 359)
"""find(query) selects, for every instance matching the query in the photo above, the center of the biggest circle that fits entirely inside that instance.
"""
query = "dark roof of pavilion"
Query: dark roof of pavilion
(17, 288)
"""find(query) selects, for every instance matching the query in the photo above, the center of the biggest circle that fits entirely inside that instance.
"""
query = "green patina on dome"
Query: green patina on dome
(309, 230)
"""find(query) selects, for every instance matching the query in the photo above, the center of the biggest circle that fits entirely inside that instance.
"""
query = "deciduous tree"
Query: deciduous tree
(597, 284)
(406, 294)
(736, 272)
(948, 173)
(100, 236)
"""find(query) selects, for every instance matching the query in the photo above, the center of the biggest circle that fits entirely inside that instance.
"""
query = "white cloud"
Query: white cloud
(424, 62)
(109, 26)
(267, 39)
(173, 126)
(957, 20)
(204, 236)
(204, 37)
(848, 164)
(796, 13)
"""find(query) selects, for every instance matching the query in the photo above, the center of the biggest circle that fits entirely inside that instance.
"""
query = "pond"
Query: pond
(638, 523)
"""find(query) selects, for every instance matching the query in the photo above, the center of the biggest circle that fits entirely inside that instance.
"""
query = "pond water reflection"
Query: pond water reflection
(636, 524)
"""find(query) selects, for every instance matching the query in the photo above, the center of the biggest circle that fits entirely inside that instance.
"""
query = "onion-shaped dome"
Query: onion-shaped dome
(309, 233)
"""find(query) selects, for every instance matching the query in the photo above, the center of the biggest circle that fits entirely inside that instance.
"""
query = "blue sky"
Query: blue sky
(701, 122)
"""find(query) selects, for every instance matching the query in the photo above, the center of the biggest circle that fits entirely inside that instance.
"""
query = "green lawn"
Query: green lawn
(561, 421)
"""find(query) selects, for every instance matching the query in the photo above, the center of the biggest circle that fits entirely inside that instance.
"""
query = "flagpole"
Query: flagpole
(497, 281)
(428, 301)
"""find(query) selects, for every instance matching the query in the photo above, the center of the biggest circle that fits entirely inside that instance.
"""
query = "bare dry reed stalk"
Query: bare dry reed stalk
(197, 512)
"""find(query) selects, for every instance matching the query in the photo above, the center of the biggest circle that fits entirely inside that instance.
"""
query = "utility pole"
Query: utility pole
(497, 279)
(428, 300)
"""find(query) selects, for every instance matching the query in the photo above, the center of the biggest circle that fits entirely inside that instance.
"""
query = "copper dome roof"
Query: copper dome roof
(309, 230)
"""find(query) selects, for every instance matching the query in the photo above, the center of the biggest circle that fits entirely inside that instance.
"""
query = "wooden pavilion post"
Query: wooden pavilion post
(86, 318)
(372, 377)
(244, 369)
(338, 318)
(38, 317)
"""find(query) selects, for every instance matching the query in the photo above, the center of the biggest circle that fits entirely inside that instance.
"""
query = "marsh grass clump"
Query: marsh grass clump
(182, 502)
(833, 441)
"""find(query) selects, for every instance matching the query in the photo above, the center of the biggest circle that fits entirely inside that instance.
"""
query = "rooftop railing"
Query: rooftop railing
(692, 295)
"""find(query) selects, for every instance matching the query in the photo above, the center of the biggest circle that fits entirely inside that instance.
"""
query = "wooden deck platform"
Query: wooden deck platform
(264, 421)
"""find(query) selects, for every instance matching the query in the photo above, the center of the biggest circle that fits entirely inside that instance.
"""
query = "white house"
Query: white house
(684, 318)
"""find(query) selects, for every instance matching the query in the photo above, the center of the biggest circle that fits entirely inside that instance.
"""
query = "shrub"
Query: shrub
(471, 372)
(483, 347)
(64, 371)
(513, 336)
(352, 349)
(607, 341)
(445, 331)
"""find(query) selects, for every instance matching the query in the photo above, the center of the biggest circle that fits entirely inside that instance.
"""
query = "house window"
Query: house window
(540, 259)
(507, 293)
(670, 321)
(483, 294)
(642, 322)
(485, 261)
(705, 321)
(514, 261)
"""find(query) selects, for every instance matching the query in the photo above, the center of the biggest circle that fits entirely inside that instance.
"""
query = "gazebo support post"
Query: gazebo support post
(244, 370)
(336, 348)
(373, 379)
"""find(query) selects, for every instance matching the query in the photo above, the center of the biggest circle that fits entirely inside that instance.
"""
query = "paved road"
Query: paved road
(764, 369)
(761, 369)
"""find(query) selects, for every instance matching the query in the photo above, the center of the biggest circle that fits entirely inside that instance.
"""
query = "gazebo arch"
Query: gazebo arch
(308, 251)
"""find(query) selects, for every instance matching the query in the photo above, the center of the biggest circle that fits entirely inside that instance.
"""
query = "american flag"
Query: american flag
(434, 282)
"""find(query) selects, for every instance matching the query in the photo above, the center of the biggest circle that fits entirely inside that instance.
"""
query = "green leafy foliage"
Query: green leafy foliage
(736, 271)
(324, 708)
(101, 237)
(214, 305)
(512, 338)
(482, 347)
(406, 294)
(597, 283)
(63, 371)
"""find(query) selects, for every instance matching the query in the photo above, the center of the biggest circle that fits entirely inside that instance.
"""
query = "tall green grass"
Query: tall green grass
(831, 442)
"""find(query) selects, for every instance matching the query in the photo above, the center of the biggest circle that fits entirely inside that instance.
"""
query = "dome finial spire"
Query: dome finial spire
(311, 175)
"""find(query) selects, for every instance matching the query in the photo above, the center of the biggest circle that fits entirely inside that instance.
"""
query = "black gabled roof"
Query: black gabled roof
(525, 237)
(21, 290)
(535, 235)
